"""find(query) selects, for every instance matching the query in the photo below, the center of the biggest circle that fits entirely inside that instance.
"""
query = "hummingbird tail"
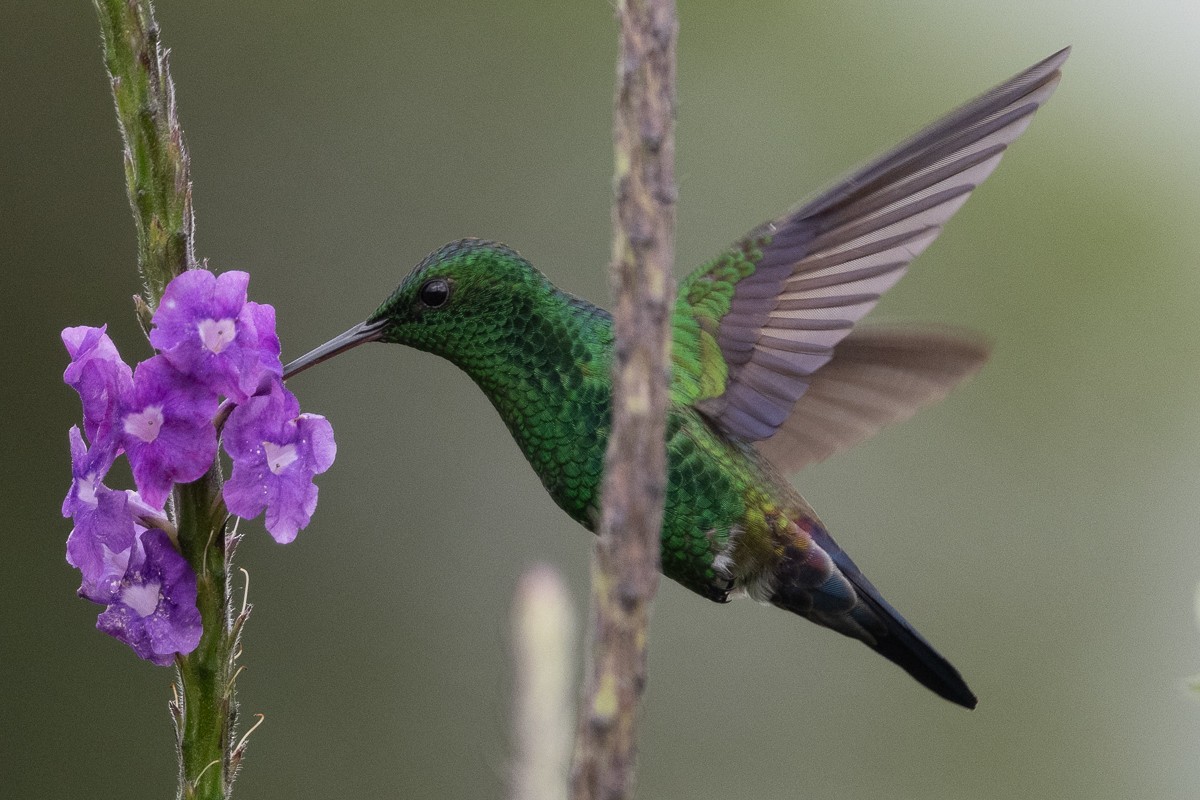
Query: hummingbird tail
(874, 622)
(902, 645)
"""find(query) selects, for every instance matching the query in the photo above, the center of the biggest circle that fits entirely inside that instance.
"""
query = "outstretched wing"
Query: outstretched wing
(753, 328)
(878, 375)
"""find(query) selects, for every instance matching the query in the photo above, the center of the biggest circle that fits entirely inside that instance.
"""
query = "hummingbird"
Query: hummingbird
(768, 371)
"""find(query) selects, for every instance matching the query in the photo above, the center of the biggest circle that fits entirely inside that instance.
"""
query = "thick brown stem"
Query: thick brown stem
(625, 566)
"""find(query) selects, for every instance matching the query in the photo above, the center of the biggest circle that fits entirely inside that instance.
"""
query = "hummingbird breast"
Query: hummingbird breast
(547, 372)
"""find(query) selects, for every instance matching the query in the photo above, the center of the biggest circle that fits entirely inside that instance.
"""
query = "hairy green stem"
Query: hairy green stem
(160, 195)
(157, 173)
(207, 710)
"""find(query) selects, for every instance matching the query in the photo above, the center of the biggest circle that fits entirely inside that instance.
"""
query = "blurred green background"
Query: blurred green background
(1039, 527)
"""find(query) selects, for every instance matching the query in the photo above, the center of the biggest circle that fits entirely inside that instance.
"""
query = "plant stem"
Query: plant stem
(157, 174)
(205, 718)
(160, 194)
(626, 561)
(543, 642)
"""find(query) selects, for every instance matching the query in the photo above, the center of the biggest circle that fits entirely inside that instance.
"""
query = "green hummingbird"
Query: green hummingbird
(768, 372)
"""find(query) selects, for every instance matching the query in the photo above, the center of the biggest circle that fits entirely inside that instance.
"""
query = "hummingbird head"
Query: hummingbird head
(447, 305)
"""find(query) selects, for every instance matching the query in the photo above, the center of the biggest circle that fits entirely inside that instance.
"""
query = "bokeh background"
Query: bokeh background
(1039, 527)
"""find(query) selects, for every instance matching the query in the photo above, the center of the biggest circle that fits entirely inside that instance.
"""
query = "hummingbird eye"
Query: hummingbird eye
(435, 292)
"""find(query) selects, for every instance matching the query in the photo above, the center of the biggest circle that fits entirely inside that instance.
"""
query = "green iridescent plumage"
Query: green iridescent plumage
(768, 372)
(543, 358)
(704, 298)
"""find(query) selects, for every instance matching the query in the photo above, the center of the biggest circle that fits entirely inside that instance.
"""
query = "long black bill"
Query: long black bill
(369, 331)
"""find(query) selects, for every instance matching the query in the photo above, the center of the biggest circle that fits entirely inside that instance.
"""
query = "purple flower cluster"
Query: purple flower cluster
(211, 343)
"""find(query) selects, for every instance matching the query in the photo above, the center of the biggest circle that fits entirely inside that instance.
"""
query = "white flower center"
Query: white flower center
(145, 424)
(117, 562)
(142, 599)
(216, 334)
(279, 457)
(86, 489)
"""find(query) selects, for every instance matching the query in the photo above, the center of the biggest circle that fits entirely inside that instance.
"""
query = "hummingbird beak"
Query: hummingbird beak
(368, 331)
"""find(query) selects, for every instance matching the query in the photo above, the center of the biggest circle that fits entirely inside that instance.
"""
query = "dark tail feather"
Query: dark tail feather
(902, 645)
(894, 638)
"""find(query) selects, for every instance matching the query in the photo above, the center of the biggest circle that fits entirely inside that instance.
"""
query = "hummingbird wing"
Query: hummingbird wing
(754, 327)
(878, 375)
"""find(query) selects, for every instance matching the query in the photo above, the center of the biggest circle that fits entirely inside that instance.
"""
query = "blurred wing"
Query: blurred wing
(877, 376)
(754, 325)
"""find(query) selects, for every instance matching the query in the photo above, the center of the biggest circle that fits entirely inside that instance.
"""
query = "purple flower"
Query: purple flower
(208, 330)
(213, 342)
(260, 318)
(153, 607)
(166, 429)
(104, 524)
(99, 375)
(148, 587)
(276, 451)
